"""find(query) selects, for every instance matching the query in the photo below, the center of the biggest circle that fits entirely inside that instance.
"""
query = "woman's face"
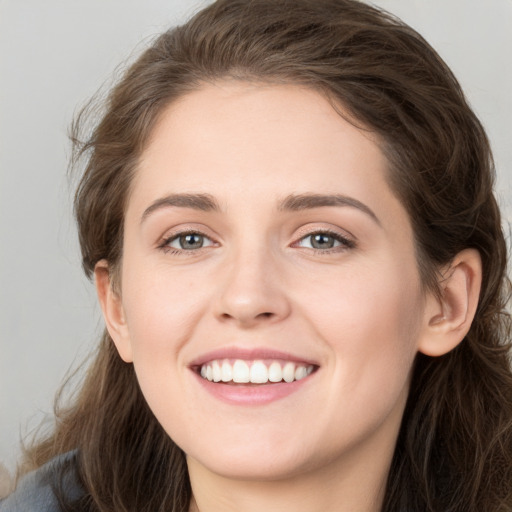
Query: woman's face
(263, 243)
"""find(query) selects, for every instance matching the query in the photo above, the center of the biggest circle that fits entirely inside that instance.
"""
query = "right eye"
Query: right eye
(190, 241)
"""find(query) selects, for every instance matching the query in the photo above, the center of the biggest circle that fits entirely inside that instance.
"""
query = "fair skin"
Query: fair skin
(261, 230)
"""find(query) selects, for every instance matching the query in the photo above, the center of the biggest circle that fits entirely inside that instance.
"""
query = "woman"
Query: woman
(287, 208)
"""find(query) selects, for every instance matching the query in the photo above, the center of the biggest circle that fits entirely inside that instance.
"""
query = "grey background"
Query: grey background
(53, 56)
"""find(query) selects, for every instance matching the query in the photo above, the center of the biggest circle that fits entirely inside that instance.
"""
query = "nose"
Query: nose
(252, 291)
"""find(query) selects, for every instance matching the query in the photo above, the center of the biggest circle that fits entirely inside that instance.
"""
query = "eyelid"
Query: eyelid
(347, 240)
(178, 237)
(178, 231)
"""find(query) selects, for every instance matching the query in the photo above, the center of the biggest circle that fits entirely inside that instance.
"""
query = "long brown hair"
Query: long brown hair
(454, 451)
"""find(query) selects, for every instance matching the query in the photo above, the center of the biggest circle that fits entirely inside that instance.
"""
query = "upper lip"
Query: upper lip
(249, 355)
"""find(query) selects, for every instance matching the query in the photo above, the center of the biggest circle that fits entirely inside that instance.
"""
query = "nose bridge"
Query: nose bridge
(252, 290)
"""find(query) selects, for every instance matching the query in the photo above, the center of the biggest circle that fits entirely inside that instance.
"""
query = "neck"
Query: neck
(355, 484)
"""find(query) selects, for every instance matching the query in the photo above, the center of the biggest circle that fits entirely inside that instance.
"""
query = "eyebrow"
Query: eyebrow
(293, 203)
(203, 202)
(298, 202)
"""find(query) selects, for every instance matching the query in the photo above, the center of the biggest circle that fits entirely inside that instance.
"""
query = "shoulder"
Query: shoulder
(35, 492)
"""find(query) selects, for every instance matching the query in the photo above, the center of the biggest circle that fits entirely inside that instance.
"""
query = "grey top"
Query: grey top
(35, 491)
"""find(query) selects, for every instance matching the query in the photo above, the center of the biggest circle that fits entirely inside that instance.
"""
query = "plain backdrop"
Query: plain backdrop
(53, 56)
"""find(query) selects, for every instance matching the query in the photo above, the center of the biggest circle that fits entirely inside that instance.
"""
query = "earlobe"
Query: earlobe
(112, 308)
(448, 317)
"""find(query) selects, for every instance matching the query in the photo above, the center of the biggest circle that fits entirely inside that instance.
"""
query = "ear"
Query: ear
(449, 317)
(113, 313)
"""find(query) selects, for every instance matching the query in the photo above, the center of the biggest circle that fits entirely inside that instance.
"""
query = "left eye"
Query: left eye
(322, 241)
(189, 241)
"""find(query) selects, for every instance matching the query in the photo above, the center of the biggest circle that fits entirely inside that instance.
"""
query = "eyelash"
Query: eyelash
(344, 242)
(175, 236)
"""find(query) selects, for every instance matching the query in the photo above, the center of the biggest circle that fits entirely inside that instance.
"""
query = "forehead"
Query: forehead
(237, 139)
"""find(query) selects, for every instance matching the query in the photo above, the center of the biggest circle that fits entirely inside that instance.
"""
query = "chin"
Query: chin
(253, 467)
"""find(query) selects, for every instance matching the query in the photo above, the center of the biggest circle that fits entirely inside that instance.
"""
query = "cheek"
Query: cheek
(162, 314)
(371, 332)
(371, 322)
(161, 311)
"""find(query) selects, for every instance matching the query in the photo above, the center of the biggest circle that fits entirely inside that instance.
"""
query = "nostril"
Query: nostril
(266, 315)
(261, 316)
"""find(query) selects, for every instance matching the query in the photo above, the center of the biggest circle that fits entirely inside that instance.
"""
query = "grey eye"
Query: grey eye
(190, 241)
(320, 241)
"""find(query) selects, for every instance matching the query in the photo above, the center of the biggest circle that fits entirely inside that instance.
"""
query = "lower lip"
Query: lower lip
(257, 394)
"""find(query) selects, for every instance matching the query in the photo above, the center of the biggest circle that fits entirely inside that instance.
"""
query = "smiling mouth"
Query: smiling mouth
(240, 371)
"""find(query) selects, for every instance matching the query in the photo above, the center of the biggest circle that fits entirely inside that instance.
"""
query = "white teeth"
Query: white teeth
(216, 371)
(259, 373)
(300, 372)
(289, 372)
(241, 372)
(275, 374)
(227, 372)
(255, 372)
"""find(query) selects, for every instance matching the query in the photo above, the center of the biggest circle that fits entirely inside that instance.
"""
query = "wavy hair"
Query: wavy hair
(454, 450)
